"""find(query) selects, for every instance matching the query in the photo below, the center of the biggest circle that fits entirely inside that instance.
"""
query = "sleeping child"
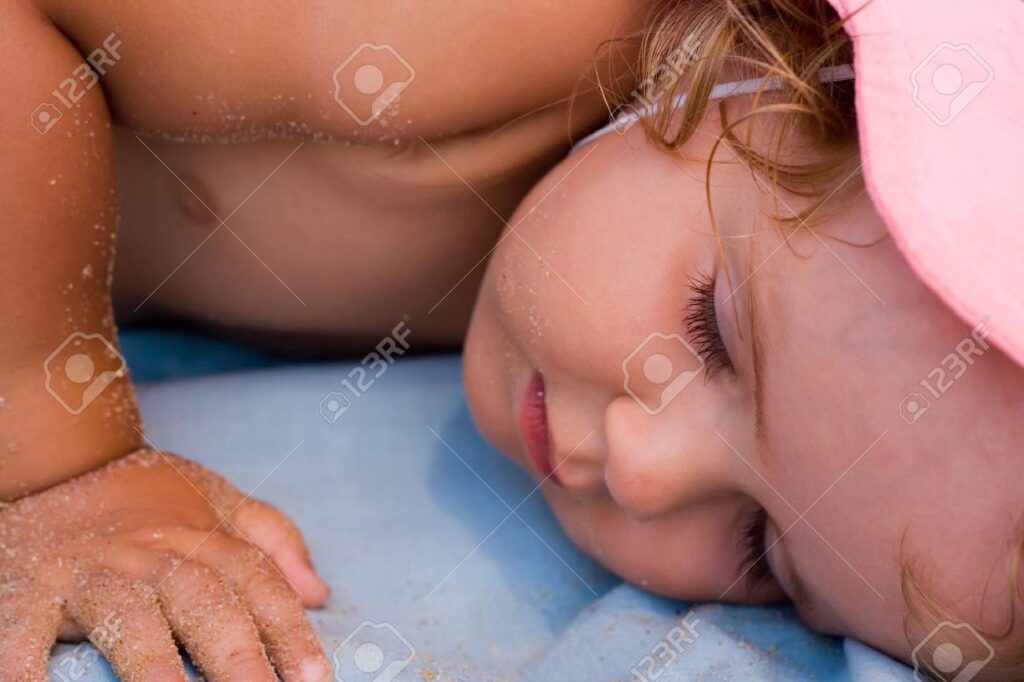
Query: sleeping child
(740, 335)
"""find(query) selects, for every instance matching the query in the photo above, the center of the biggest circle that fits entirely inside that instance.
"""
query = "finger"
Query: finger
(263, 525)
(29, 620)
(274, 605)
(212, 624)
(279, 538)
(123, 620)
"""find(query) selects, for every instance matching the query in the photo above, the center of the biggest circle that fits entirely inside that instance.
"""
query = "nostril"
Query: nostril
(583, 479)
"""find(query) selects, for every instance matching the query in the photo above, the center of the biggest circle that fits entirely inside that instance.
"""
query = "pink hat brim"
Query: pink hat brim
(939, 110)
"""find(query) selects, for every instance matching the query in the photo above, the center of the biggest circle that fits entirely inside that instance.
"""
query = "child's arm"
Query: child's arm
(149, 545)
(58, 214)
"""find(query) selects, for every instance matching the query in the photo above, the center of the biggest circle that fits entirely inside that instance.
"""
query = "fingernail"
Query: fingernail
(313, 670)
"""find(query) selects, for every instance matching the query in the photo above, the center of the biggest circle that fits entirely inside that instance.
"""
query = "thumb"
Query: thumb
(278, 537)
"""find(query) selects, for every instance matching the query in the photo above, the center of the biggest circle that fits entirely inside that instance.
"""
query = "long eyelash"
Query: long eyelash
(702, 325)
(755, 554)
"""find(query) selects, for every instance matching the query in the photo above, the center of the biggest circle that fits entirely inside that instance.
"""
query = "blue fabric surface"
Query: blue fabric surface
(407, 512)
(158, 354)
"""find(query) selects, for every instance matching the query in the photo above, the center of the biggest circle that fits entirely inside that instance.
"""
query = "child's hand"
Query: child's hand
(148, 548)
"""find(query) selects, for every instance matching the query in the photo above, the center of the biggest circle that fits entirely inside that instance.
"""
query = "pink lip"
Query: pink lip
(533, 423)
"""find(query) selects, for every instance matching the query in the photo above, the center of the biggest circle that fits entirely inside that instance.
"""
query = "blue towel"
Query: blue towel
(407, 512)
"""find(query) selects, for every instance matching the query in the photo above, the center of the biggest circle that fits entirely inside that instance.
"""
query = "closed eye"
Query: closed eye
(701, 322)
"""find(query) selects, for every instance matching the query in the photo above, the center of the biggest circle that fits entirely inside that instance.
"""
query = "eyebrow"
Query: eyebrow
(757, 346)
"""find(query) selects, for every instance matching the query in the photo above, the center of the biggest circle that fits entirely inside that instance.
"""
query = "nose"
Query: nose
(658, 463)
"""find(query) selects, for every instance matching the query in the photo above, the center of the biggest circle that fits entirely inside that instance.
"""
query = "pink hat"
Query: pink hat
(940, 108)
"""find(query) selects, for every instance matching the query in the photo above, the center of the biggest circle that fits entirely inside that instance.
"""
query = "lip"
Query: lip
(533, 424)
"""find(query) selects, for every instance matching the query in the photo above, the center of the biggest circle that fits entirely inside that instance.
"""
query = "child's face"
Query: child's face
(661, 488)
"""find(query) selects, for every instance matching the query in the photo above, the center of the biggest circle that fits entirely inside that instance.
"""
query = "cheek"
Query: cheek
(490, 364)
(598, 257)
(579, 294)
(691, 556)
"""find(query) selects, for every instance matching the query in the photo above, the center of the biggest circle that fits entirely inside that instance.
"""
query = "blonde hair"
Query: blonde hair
(926, 614)
(691, 47)
(785, 43)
